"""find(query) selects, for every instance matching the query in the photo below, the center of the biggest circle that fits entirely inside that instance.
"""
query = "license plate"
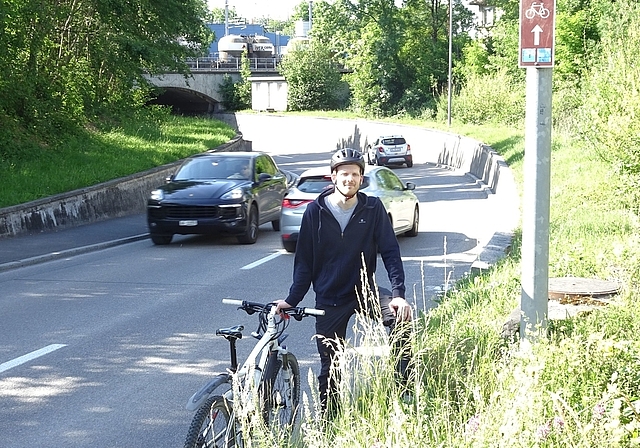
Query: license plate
(395, 149)
(188, 223)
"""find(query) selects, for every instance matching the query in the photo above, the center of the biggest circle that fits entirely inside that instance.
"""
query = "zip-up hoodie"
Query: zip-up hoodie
(332, 259)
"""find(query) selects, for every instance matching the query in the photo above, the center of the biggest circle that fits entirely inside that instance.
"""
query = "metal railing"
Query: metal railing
(230, 64)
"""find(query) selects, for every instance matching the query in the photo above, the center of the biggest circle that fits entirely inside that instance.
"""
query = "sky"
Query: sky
(275, 9)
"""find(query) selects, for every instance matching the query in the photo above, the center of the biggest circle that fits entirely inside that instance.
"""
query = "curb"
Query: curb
(70, 252)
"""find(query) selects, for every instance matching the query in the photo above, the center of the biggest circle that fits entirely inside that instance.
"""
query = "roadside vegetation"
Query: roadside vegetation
(578, 385)
(145, 140)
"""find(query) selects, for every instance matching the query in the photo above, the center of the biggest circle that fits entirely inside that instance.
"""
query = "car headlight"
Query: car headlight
(236, 193)
(157, 195)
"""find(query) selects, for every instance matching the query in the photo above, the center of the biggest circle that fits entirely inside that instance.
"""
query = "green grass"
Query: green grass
(96, 156)
(577, 387)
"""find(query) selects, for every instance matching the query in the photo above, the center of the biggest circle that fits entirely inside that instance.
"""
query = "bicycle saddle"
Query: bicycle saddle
(231, 332)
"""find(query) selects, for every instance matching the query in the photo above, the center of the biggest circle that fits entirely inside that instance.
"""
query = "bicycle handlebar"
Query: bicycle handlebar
(256, 306)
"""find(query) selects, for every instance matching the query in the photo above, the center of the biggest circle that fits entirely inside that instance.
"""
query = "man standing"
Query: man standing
(339, 230)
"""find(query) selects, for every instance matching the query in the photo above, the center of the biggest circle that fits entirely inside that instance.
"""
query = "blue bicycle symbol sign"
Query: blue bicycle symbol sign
(537, 9)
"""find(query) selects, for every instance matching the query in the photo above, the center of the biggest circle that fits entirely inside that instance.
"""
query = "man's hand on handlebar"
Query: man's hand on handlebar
(281, 305)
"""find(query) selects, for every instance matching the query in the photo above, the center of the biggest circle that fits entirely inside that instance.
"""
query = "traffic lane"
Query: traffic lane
(134, 354)
(152, 263)
(93, 290)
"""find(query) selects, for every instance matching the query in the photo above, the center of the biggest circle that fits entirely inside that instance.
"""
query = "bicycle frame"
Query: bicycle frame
(267, 359)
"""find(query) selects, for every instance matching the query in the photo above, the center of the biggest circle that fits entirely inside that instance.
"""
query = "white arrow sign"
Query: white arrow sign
(537, 31)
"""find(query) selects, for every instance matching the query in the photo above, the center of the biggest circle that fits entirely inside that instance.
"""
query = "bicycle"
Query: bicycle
(267, 383)
(537, 9)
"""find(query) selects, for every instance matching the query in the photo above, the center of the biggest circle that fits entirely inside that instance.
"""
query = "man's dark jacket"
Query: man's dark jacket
(332, 260)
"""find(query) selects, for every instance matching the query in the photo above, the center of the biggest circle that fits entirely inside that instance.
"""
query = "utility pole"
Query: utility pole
(449, 81)
(226, 17)
(536, 55)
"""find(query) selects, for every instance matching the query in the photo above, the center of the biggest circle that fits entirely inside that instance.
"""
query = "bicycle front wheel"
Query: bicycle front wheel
(213, 425)
(281, 391)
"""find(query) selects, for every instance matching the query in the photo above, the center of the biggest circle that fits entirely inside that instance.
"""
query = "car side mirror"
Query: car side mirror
(264, 177)
(168, 179)
(410, 186)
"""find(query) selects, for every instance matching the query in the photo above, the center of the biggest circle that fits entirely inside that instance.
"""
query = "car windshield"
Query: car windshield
(393, 141)
(314, 184)
(208, 168)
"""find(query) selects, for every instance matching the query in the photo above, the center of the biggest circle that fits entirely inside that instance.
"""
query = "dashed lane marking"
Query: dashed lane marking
(29, 357)
(264, 260)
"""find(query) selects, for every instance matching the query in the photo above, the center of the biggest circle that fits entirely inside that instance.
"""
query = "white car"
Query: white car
(389, 149)
(398, 198)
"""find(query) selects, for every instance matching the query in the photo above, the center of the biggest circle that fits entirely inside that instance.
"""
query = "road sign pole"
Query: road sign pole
(535, 227)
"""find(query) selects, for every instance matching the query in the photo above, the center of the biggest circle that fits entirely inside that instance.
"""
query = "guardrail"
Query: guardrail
(215, 64)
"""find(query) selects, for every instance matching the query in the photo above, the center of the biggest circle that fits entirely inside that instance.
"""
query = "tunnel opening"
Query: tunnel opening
(184, 102)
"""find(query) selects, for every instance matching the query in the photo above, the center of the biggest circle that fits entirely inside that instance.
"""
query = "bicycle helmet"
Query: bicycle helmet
(347, 156)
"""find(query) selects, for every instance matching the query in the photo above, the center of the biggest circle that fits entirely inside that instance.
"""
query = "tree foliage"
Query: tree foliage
(217, 15)
(237, 95)
(314, 81)
(396, 56)
(609, 116)
(65, 61)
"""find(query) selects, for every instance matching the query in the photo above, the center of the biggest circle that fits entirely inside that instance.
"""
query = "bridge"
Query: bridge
(197, 93)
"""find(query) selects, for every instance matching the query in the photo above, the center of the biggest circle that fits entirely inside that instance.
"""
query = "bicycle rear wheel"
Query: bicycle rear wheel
(213, 425)
(281, 392)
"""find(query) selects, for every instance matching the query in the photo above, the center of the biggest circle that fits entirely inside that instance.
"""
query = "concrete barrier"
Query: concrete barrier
(298, 134)
(112, 199)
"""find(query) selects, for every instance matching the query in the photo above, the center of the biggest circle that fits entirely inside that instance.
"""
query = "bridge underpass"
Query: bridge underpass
(198, 93)
(194, 94)
(185, 102)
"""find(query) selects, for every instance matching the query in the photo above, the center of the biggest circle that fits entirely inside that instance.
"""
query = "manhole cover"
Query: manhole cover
(577, 290)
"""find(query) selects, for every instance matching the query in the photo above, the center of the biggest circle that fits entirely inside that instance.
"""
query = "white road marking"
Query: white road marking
(264, 260)
(29, 356)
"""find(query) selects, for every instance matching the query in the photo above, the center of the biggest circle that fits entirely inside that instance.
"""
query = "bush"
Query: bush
(492, 98)
(608, 120)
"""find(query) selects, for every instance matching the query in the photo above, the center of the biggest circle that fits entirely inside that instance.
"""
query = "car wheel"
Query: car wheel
(409, 163)
(289, 246)
(413, 231)
(160, 240)
(250, 235)
(276, 225)
(377, 161)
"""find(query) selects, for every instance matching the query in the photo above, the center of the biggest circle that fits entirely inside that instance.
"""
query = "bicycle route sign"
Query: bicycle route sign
(537, 25)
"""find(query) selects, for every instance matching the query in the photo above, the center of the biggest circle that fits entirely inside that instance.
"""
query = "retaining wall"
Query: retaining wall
(116, 198)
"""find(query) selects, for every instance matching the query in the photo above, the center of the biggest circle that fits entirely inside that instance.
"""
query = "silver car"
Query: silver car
(398, 198)
(389, 149)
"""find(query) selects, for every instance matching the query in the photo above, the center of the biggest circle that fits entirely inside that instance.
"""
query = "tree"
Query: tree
(314, 82)
(68, 60)
(216, 15)
(237, 95)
